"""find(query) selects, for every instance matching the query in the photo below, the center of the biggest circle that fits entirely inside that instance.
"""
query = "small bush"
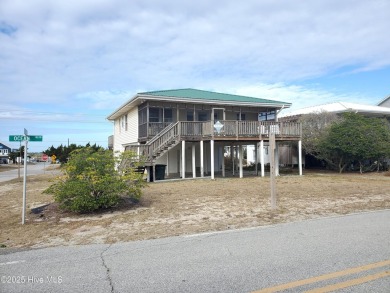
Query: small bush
(91, 180)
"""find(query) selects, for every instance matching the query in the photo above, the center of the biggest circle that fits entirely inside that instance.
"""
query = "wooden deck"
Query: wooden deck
(236, 130)
(225, 130)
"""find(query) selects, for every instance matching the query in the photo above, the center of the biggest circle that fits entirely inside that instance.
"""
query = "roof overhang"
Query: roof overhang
(141, 98)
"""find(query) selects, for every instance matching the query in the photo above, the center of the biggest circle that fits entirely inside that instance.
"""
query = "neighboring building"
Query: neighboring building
(341, 107)
(385, 102)
(288, 153)
(4, 153)
(190, 130)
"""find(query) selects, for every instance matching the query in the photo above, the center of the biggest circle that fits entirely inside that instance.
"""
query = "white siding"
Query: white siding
(124, 136)
(385, 103)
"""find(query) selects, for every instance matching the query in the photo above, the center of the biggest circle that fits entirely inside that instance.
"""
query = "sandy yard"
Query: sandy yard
(188, 207)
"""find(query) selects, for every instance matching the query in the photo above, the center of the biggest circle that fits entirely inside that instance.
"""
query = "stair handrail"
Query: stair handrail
(154, 138)
(161, 139)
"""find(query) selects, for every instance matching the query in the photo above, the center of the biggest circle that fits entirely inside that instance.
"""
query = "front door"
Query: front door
(218, 114)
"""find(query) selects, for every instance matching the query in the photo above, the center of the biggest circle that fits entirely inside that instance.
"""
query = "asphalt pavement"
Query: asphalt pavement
(32, 169)
(345, 253)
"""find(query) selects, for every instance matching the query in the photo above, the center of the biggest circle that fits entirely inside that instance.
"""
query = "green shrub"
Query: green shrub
(95, 180)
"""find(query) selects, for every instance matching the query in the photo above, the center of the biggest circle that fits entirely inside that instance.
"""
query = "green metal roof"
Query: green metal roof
(207, 95)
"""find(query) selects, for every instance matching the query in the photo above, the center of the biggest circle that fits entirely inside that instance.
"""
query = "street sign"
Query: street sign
(44, 157)
(16, 137)
(23, 137)
(35, 137)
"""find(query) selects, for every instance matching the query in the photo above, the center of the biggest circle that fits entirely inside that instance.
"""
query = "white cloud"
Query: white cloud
(104, 99)
(63, 47)
(94, 54)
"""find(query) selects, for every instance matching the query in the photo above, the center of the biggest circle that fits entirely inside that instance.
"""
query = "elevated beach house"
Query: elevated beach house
(193, 132)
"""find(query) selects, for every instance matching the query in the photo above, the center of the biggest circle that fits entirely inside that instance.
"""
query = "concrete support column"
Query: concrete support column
(183, 159)
(262, 157)
(201, 159)
(300, 157)
(241, 157)
(193, 161)
(212, 158)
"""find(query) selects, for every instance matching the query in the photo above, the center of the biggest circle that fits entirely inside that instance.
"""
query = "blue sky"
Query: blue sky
(65, 65)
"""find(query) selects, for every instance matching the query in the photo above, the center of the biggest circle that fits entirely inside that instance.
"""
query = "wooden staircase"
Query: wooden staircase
(160, 144)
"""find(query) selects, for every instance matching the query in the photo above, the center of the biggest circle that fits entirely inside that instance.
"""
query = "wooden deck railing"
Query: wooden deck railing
(240, 129)
(236, 130)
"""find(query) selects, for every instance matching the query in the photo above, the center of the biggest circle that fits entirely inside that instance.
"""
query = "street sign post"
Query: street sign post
(25, 176)
(26, 138)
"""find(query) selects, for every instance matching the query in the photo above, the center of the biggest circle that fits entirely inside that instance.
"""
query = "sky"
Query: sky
(65, 65)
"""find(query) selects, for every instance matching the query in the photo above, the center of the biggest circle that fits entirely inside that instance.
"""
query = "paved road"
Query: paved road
(337, 251)
(32, 169)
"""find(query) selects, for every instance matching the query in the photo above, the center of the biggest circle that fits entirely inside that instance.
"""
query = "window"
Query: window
(241, 117)
(202, 116)
(271, 115)
(266, 116)
(168, 116)
(142, 116)
(190, 115)
(126, 122)
(154, 115)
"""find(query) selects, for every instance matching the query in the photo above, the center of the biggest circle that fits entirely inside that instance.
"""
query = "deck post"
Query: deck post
(193, 161)
(167, 167)
(262, 157)
(276, 159)
(149, 171)
(183, 159)
(222, 148)
(233, 158)
(256, 158)
(212, 158)
(300, 157)
(240, 158)
(201, 159)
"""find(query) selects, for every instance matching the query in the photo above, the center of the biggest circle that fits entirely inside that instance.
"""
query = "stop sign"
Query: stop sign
(44, 157)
